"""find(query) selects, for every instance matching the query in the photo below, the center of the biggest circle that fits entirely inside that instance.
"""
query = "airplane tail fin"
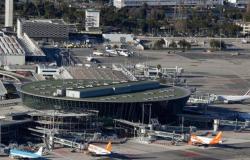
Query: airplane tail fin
(109, 146)
(217, 138)
(40, 151)
(247, 93)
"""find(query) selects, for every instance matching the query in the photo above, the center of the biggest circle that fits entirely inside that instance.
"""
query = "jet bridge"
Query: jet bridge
(238, 125)
(140, 130)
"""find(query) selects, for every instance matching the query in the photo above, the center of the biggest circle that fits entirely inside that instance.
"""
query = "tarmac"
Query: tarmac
(233, 149)
(215, 73)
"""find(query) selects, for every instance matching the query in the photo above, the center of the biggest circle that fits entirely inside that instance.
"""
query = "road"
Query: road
(197, 38)
(236, 42)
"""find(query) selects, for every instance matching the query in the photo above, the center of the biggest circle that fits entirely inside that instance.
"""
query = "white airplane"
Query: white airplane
(245, 41)
(89, 58)
(98, 53)
(111, 51)
(234, 98)
(19, 154)
(203, 140)
(123, 53)
(99, 151)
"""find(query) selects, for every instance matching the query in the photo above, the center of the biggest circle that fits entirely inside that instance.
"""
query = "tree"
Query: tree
(231, 29)
(49, 10)
(215, 44)
(180, 26)
(159, 70)
(29, 9)
(158, 66)
(247, 14)
(184, 45)
(36, 4)
(115, 46)
(159, 44)
(173, 45)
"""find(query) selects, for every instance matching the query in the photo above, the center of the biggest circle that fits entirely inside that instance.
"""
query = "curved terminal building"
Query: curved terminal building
(133, 101)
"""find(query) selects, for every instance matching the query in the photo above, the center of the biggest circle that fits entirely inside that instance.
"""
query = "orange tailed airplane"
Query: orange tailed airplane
(203, 140)
(99, 151)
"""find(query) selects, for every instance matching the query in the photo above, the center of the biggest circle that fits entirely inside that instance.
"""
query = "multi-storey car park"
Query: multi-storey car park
(134, 101)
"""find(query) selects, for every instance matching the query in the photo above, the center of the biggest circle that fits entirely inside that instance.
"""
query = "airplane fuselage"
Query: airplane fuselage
(202, 140)
(20, 154)
(233, 99)
(98, 151)
(23, 154)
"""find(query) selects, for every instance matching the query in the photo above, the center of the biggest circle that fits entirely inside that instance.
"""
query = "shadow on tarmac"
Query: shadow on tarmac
(122, 156)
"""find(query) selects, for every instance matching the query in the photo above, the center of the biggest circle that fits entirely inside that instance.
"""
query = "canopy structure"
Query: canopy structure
(3, 90)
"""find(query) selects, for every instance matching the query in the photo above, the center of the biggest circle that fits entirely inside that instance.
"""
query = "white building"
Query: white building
(8, 13)
(52, 71)
(47, 71)
(136, 3)
(92, 19)
(11, 52)
(119, 38)
(239, 1)
(73, 93)
(245, 27)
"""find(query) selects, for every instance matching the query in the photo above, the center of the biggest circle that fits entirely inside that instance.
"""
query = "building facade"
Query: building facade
(92, 19)
(136, 3)
(55, 29)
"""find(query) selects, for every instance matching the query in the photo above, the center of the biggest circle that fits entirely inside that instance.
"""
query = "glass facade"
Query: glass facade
(165, 111)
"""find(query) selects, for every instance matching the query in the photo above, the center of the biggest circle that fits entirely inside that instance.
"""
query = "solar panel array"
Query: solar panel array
(120, 92)
(96, 73)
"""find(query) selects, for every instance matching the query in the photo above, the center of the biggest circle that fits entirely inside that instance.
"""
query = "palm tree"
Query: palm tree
(36, 3)
(158, 70)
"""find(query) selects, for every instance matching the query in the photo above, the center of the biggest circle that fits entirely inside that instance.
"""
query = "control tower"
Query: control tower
(8, 13)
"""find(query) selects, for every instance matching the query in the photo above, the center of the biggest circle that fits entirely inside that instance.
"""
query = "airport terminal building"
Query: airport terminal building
(132, 101)
(38, 29)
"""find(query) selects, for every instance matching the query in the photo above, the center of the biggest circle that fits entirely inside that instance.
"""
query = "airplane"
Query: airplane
(98, 53)
(205, 141)
(19, 154)
(234, 98)
(99, 151)
(122, 52)
(244, 41)
(111, 51)
(89, 58)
